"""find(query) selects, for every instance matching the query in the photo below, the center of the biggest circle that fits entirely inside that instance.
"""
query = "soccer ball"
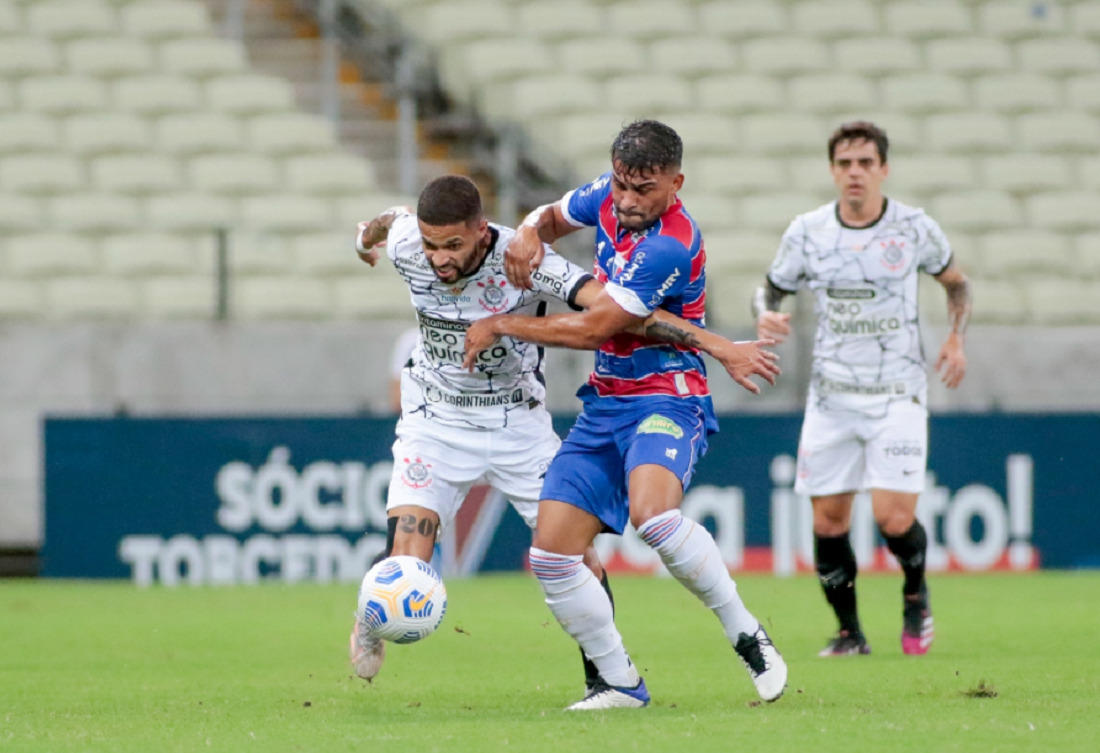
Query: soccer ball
(402, 599)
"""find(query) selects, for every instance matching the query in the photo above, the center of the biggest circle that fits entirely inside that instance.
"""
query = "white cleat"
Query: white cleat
(367, 652)
(766, 667)
(604, 696)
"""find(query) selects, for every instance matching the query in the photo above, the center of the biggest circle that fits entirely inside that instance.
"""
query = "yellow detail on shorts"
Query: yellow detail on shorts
(658, 424)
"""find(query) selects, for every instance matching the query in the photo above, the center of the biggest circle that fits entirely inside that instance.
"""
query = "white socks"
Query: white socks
(582, 608)
(690, 554)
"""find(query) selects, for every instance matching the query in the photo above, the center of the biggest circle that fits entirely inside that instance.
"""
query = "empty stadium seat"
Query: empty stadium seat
(62, 94)
(1087, 253)
(145, 253)
(830, 92)
(736, 175)
(94, 212)
(973, 131)
(104, 131)
(693, 56)
(193, 297)
(998, 301)
(20, 299)
(579, 135)
(921, 19)
(968, 56)
(285, 212)
(1084, 19)
(41, 173)
(328, 174)
(1064, 131)
(784, 55)
(743, 20)
(1083, 92)
(774, 211)
(597, 56)
(162, 19)
(248, 93)
(746, 252)
(20, 56)
(11, 19)
(443, 22)
(877, 56)
(196, 133)
(18, 211)
(282, 297)
(781, 134)
(976, 211)
(62, 19)
(1015, 92)
(827, 19)
(156, 94)
(736, 93)
(1012, 253)
(1067, 211)
(91, 297)
(234, 173)
(1022, 173)
(647, 94)
(1059, 300)
(924, 92)
(650, 19)
(704, 133)
(542, 95)
(1059, 56)
(189, 211)
(1015, 20)
(560, 20)
(290, 133)
(109, 56)
(328, 252)
(22, 132)
(1089, 170)
(49, 253)
(929, 174)
(140, 174)
(202, 56)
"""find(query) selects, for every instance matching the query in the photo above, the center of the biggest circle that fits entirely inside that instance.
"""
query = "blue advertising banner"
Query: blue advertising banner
(238, 500)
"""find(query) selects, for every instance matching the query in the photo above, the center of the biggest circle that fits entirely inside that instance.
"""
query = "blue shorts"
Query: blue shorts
(591, 469)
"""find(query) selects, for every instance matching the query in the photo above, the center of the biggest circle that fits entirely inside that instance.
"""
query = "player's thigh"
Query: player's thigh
(588, 473)
(432, 474)
(830, 455)
(519, 458)
(564, 528)
(662, 450)
(897, 452)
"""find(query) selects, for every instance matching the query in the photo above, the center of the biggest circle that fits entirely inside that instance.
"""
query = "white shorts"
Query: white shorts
(844, 452)
(435, 465)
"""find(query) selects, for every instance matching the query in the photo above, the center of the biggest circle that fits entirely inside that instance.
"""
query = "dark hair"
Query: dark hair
(857, 130)
(647, 145)
(449, 200)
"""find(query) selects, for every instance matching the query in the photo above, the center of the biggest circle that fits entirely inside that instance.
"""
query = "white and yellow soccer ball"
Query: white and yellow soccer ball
(402, 599)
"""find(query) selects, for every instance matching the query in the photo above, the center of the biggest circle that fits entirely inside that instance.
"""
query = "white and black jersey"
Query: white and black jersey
(508, 376)
(867, 348)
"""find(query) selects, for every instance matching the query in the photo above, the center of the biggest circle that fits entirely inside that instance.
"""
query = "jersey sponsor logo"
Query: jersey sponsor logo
(832, 386)
(850, 294)
(635, 262)
(552, 283)
(444, 342)
(658, 424)
(903, 450)
(493, 299)
(665, 287)
(417, 474)
(435, 395)
(846, 317)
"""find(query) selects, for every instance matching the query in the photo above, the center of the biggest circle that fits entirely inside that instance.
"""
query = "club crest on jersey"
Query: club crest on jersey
(417, 474)
(493, 298)
(893, 256)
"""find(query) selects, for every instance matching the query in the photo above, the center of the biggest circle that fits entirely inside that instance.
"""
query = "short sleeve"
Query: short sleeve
(789, 268)
(581, 206)
(559, 278)
(935, 252)
(403, 231)
(659, 268)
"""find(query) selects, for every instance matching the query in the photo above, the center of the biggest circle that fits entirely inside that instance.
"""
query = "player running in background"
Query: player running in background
(866, 420)
(456, 427)
(647, 409)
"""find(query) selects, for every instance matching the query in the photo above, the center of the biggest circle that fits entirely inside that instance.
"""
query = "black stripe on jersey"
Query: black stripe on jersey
(885, 203)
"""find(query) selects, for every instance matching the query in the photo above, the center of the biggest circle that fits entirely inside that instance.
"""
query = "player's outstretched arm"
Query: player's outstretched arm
(951, 363)
(741, 360)
(370, 238)
(525, 251)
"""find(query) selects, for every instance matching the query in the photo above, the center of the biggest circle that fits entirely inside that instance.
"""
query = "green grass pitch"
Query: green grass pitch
(110, 667)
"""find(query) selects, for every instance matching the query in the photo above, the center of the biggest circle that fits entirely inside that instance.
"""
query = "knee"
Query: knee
(896, 523)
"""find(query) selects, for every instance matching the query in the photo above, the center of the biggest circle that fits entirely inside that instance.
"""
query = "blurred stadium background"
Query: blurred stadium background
(180, 180)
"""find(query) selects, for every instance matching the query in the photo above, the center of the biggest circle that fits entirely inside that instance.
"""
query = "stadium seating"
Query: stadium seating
(136, 125)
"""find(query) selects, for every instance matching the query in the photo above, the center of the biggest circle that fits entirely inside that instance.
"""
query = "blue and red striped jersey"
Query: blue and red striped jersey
(663, 266)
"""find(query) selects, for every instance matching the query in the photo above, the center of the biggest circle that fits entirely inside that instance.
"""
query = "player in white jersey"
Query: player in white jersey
(458, 427)
(866, 420)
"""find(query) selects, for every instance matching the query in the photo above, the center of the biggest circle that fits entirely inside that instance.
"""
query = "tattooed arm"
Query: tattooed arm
(371, 235)
(951, 363)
